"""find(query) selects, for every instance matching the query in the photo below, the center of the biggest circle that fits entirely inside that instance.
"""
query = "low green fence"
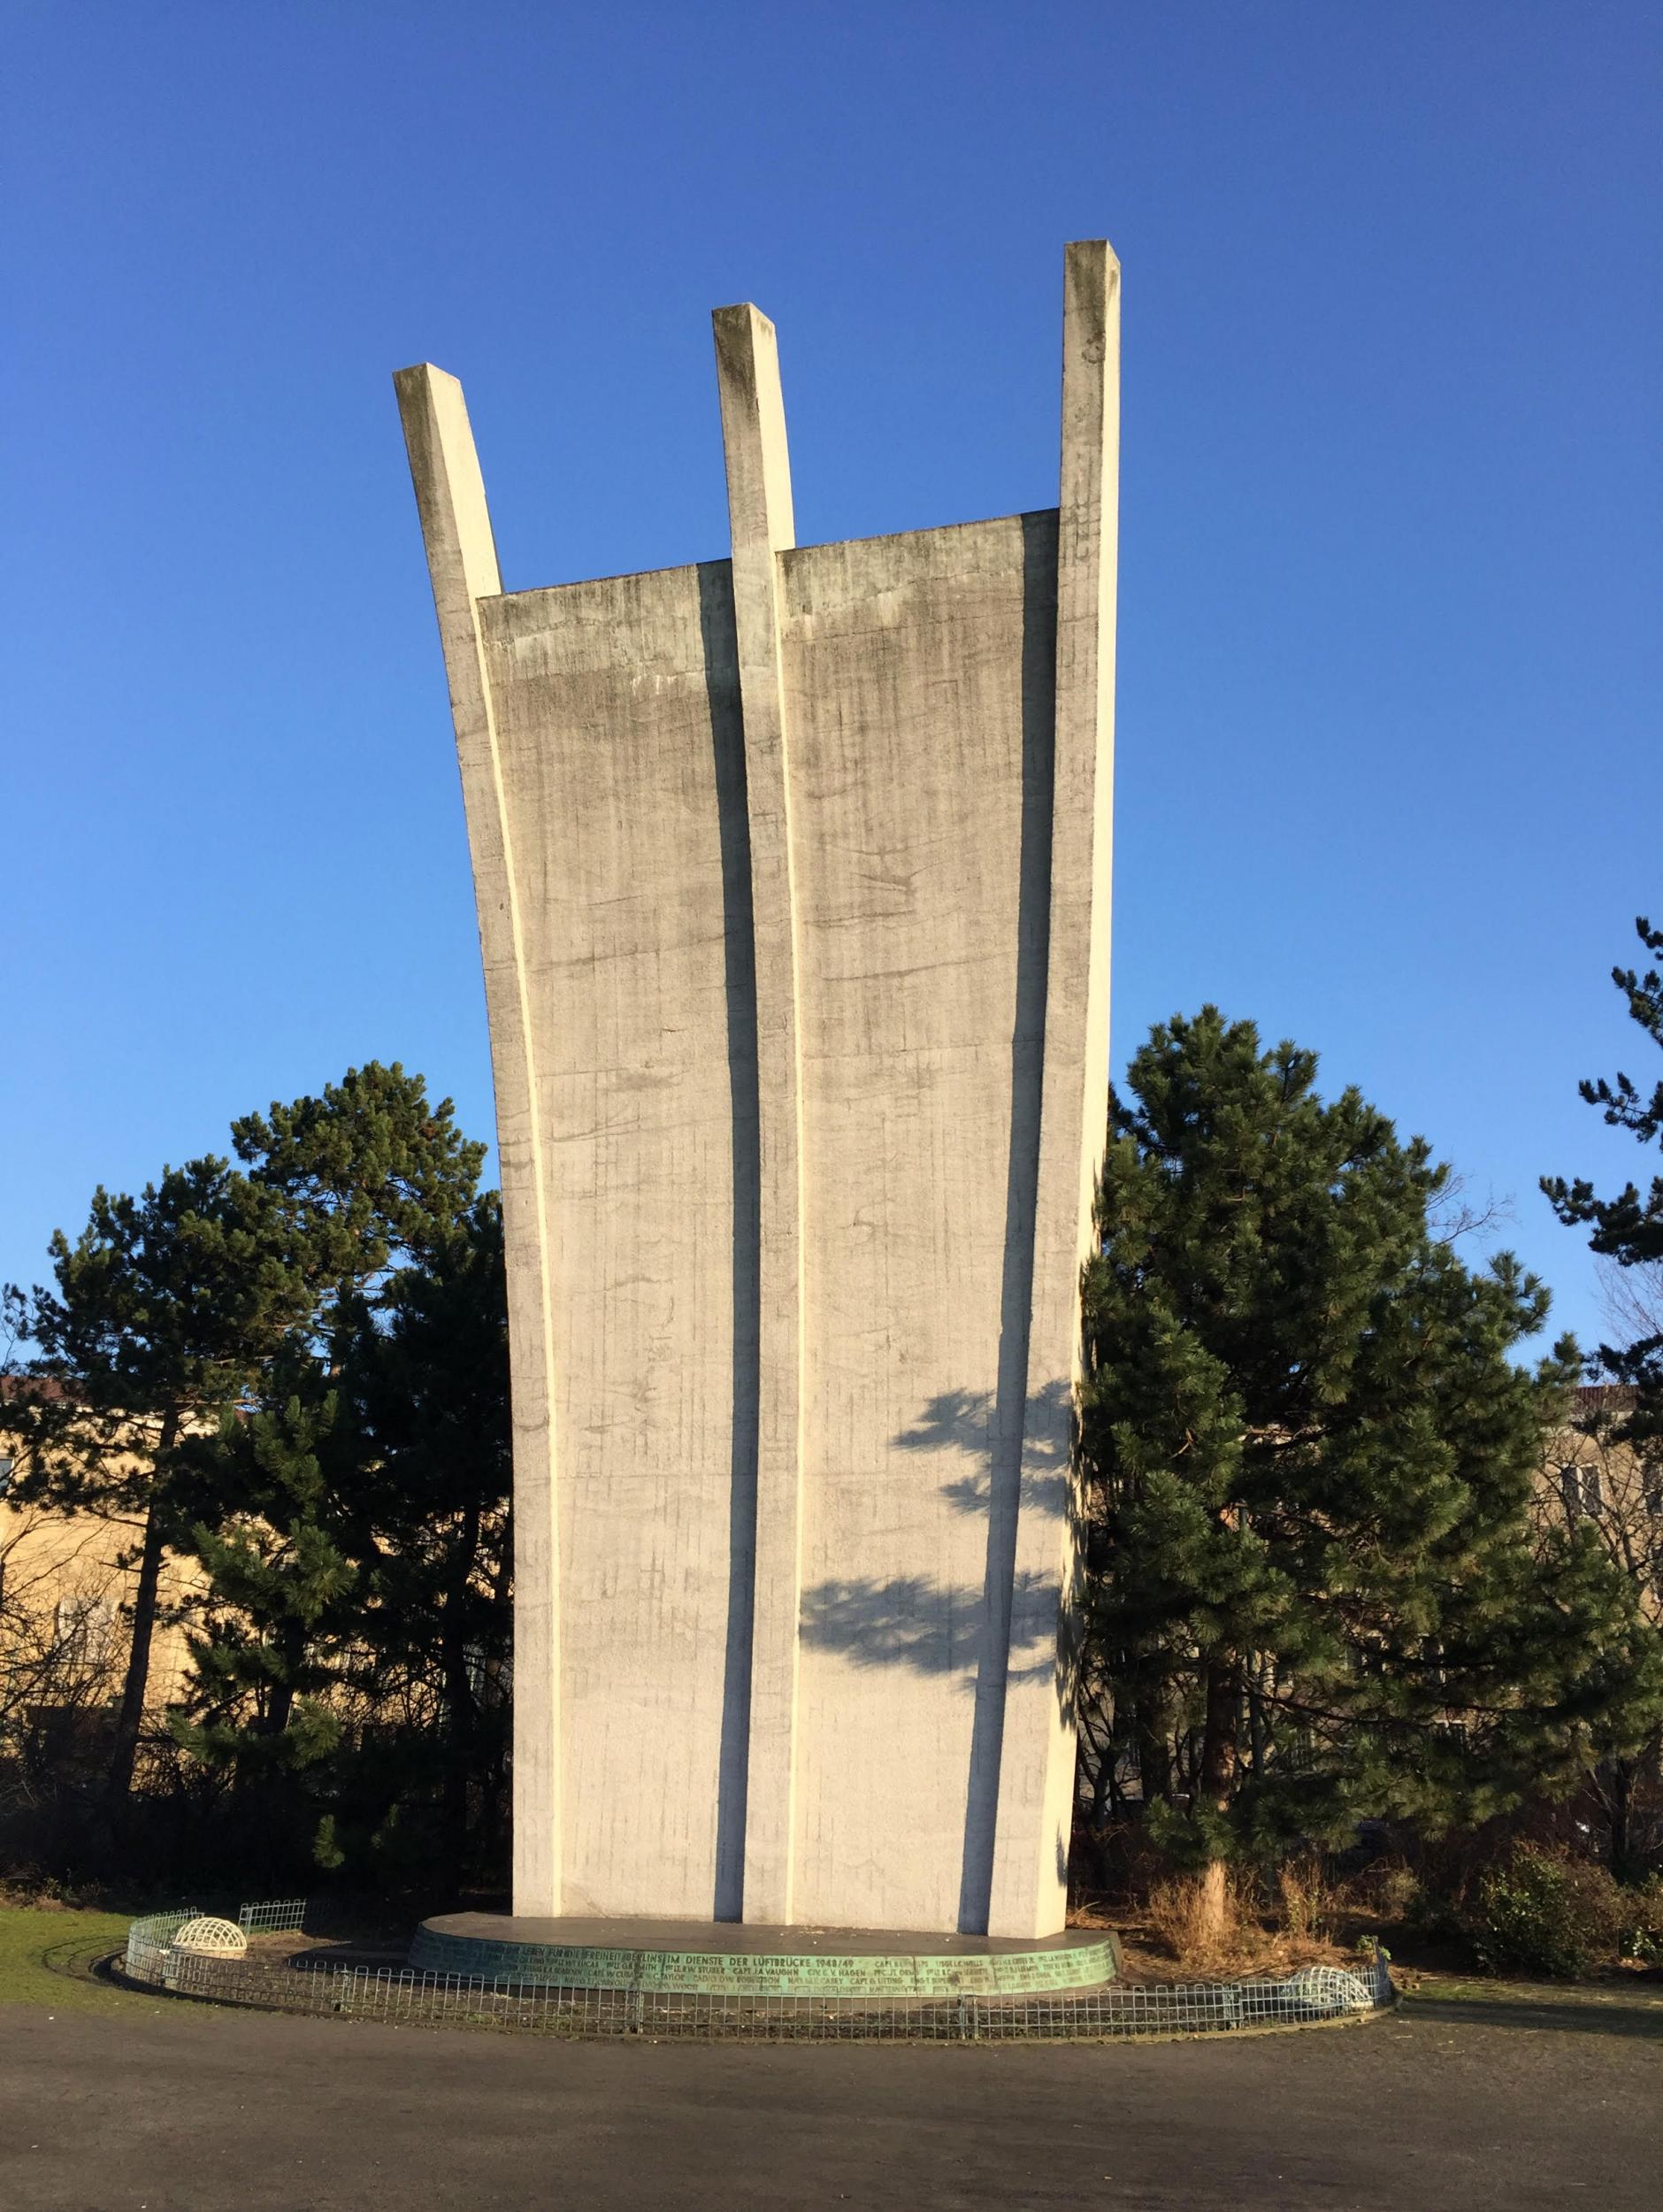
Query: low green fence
(283, 1916)
(313, 1982)
(148, 1942)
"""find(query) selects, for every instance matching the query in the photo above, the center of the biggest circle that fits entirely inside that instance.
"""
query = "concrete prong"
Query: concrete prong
(1035, 1778)
(763, 525)
(462, 564)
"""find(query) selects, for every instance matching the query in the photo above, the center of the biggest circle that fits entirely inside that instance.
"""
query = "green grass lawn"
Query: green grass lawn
(46, 1958)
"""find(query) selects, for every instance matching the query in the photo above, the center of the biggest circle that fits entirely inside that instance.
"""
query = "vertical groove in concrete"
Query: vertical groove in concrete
(1038, 1748)
(1011, 1425)
(760, 517)
(739, 957)
(463, 564)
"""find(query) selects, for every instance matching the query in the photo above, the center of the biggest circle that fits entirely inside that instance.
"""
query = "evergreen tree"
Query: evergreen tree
(294, 1369)
(428, 1386)
(281, 1582)
(366, 1177)
(165, 1310)
(1629, 1228)
(1312, 1587)
(375, 1194)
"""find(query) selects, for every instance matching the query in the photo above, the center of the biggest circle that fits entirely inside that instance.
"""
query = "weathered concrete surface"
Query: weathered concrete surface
(619, 740)
(920, 703)
(461, 562)
(792, 877)
(761, 525)
(752, 1938)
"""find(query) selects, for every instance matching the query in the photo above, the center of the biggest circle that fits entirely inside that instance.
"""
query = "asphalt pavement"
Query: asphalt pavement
(177, 2108)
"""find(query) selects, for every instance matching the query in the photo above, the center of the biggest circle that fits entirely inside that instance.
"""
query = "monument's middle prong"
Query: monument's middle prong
(793, 875)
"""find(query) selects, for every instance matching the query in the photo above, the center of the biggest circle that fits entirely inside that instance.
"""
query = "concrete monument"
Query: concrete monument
(792, 874)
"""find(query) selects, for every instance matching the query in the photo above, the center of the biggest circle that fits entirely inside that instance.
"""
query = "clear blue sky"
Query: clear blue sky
(1389, 771)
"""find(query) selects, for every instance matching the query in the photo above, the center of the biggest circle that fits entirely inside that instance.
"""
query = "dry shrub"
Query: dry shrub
(1272, 1924)
(1310, 1902)
(25, 1891)
(1392, 1893)
(1178, 1915)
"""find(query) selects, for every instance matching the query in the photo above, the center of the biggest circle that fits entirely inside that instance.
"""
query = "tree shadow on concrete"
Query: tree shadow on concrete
(939, 1628)
(961, 1421)
(1012, 1443)
(1013, 1629)
(917, 1622)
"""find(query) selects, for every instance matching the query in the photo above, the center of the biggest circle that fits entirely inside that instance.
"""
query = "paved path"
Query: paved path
(166, 2109)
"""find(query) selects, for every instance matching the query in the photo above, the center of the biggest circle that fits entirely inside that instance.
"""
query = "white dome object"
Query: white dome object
(1329, 1989)
(206, 1938)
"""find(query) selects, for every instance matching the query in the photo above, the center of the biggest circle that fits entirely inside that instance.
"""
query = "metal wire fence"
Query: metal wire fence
(283, 1916)
(316, 1984)
(148, 1941)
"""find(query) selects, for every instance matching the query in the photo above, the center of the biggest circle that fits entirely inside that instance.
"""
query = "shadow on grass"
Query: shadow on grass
(50, 1958)
(1562, 2013)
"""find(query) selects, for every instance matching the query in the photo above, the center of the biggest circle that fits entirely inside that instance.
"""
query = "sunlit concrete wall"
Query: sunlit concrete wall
(792, 876)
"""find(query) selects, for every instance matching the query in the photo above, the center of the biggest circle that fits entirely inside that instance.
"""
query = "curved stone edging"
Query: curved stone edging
(894, 1975)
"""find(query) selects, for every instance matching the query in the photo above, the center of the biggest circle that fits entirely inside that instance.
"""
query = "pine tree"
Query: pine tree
(427, 1382)
(1629, 1228)
(166, 1308)
(366, 1178)
(371, 1187)
(1312, 1588)
(293, 1370)
(280, 1581)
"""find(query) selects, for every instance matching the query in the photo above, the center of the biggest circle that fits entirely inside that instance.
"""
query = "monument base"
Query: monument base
(727, 1958)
